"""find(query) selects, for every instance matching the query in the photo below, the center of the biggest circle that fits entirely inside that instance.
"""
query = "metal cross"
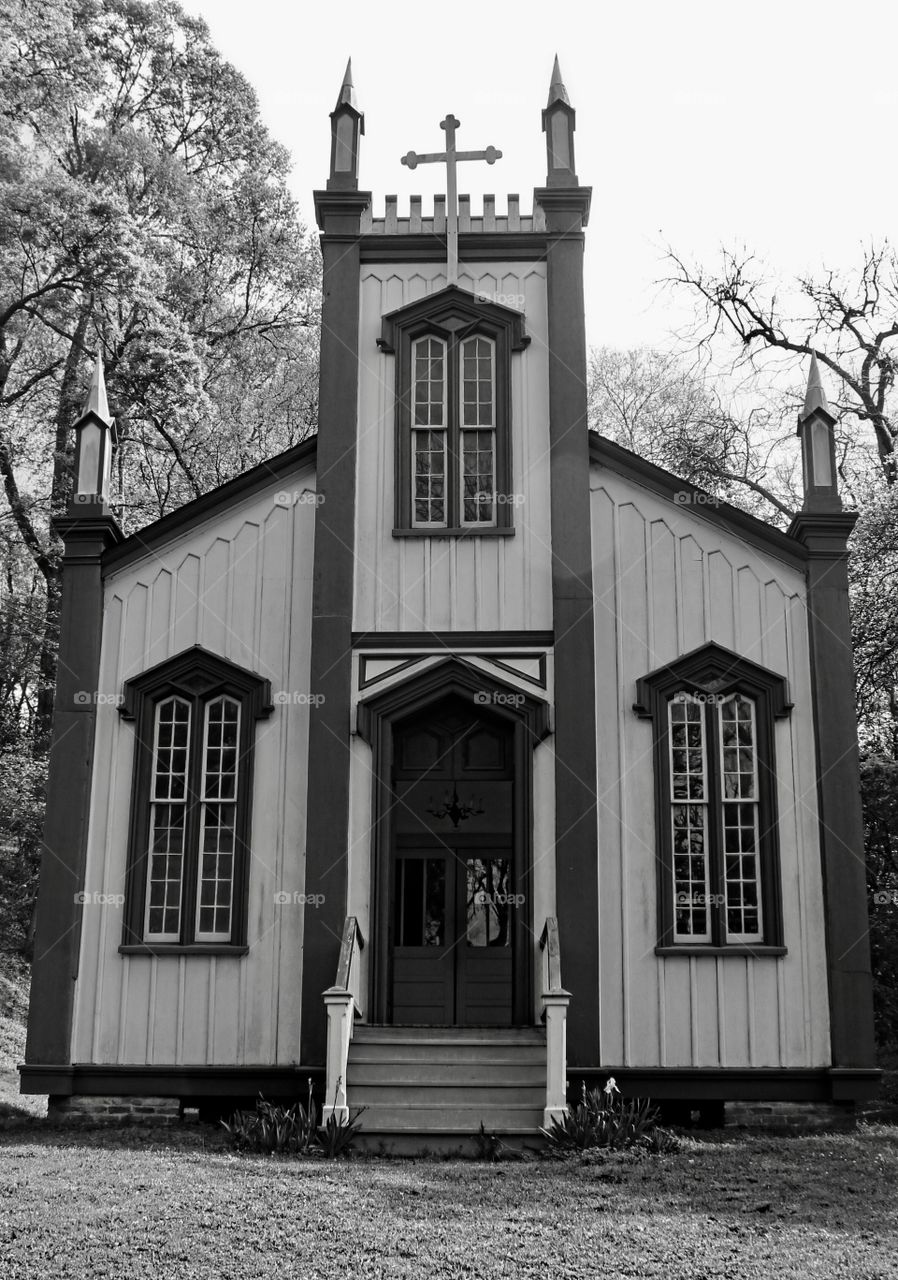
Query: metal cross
(450, 157)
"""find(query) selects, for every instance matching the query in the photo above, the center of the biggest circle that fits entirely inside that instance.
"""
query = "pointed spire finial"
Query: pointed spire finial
(97, 402)
(815, 400)
(557, 91)
(346, 96)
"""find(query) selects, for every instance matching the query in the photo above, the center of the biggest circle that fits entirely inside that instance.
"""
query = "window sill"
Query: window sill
(175, 949)
(762, 949)
(463, 532)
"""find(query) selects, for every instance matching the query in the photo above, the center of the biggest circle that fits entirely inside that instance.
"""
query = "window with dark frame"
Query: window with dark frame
(453, 432)
(453, 426)
(191, 802)
(716, 820)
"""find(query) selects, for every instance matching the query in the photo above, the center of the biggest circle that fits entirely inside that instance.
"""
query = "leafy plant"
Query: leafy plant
(272, 1128)
(488, 1145)
(292, 1130)
(604, 1118)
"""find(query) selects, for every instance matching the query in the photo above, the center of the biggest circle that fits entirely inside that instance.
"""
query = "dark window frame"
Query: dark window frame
(713, 674)
(452, 315)
(199, 678)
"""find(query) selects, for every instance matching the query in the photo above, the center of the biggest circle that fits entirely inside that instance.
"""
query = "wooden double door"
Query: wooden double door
(457, 899)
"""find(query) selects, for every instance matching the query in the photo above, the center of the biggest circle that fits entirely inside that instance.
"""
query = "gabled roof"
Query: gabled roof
(164, 530)
(739, 523)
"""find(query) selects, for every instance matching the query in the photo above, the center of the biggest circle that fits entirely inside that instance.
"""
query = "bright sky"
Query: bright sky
(700, 123)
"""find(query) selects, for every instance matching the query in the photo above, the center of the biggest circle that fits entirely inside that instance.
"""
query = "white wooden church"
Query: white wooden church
(457, 754)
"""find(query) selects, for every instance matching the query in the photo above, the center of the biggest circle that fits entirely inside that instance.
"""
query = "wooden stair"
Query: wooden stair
(428, 1083)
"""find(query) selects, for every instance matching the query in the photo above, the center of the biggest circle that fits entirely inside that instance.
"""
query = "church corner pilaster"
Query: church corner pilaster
(846, 913)
(339, 213)
(565, 205)
(87, 532)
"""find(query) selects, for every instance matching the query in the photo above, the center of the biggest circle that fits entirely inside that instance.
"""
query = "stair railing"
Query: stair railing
(342, 1007)
(555, 1002)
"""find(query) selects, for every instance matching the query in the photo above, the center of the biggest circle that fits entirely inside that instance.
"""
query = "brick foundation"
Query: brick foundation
(789, 1117)
(82, 1109)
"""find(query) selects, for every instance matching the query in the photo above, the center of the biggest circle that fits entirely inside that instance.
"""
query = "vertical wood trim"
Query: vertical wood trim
(576, 783)
(62, 871)
(838, 788)
(330, 673)
(720, 977)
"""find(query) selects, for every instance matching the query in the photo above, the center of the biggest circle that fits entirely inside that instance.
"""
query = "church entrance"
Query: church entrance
(455, 883)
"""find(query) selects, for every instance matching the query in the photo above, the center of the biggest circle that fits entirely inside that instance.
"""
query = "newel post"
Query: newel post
(340, 1008)
(555, 1006)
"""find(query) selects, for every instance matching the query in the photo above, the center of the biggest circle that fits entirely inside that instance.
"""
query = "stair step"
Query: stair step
(451, 1119)
(443, 1053)
(373, 1033)
(435, 1073)
(483, 1096)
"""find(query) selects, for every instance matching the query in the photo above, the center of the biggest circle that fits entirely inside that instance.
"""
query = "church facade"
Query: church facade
(458, 753)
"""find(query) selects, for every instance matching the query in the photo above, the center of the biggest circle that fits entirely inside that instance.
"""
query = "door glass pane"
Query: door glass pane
(489, 902)
(420, 902)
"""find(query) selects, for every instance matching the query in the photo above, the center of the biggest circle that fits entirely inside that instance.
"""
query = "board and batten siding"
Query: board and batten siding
(452, 584)
(240, 585)
(667, 581)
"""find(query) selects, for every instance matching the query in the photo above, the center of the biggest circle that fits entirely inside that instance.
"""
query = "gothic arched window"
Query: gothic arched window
(453, 413)
(716, 819)
(191, 801)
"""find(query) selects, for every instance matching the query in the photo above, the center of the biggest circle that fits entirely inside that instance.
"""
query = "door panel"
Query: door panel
(423, 965)
(452, 934)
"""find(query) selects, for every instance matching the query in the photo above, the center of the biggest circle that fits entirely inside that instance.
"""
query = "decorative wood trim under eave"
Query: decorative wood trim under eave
(736, 522)
(169, 527)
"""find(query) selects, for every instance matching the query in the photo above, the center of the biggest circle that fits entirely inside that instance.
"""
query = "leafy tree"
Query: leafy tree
(879, 789)
(144, 213)
(655, 404)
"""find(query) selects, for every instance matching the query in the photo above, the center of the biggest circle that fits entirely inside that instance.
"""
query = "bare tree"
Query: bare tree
(848, 319)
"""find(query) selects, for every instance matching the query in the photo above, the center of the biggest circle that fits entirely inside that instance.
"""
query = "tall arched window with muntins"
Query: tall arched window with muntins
(191, 810)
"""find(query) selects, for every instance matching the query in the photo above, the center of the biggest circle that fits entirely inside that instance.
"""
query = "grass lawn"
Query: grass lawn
(132, 1204)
